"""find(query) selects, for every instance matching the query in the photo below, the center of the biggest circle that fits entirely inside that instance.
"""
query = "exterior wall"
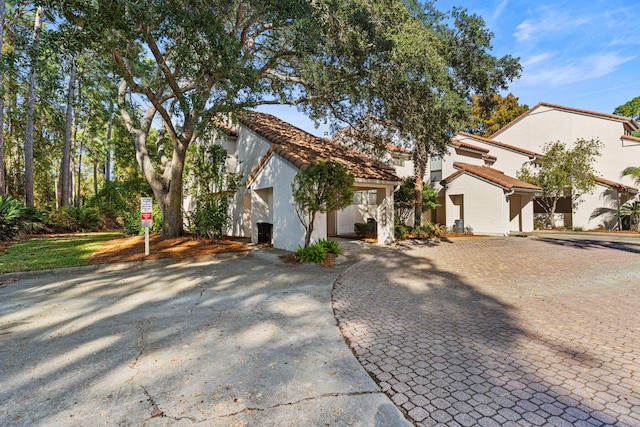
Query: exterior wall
(243, 154)
(547, 124)
(597, 209)
(275, 178)
(508, 161)
(404, 170)
(484, 206)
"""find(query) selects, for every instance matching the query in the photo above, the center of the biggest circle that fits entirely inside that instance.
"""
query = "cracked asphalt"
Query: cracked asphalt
(503, 331)
(230, 340)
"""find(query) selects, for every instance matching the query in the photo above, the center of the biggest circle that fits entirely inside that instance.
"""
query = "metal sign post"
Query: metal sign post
(146, 218)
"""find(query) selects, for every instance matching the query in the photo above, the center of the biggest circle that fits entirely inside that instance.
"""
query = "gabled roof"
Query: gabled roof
(616, 185)
(528, 153)
(492, 176)
(301, 149)
(632, 123)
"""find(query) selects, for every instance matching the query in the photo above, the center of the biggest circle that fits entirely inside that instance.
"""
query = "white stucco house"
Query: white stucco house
(549, 123)
(268, 153)
(472, 191)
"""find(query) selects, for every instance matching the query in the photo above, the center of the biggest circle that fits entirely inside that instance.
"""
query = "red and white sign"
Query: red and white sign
(146, 211)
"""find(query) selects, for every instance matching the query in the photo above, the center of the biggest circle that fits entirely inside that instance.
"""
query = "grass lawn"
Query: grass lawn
(53, 252)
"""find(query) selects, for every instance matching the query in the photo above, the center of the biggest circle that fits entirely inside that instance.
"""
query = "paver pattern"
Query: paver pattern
(505, 331)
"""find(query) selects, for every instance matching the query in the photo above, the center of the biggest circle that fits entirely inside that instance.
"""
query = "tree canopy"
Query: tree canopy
(629, 109)
(491, 115)
(179, 63)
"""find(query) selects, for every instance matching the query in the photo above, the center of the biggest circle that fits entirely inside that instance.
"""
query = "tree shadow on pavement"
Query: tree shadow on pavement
(194, 341)
(448, 351)
(594, 244)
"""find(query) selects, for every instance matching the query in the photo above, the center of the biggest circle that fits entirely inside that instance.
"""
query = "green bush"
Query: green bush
(11, 211)
(210, 218)
(330, 246)
(70, 219)
(156, 225)
(132, 224)
(312, 253)
(400, 232)
(429, 230)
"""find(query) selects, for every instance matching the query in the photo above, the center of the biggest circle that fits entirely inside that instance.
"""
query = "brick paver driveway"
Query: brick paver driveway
(505, 331)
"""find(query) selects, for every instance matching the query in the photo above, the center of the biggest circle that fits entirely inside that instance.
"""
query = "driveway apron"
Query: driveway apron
(504, 331)
(226, 341)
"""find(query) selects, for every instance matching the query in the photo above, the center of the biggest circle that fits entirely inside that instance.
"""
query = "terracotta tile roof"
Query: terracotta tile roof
(616, 185)
(225, 126)
(495, 143)
(301, 149)
(465, 145)
(630, 138)
(623, 119)
(492, 175)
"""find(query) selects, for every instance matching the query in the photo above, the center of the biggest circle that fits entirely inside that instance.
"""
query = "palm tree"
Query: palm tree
(633, 172)
(631, 210)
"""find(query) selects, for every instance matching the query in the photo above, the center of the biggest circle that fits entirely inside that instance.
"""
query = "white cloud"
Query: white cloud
(542, 70)
(500, 8)
(551, 22)
(535, 59)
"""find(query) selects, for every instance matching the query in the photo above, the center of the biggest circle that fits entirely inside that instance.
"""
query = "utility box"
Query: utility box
(459, 224)
(265, 231)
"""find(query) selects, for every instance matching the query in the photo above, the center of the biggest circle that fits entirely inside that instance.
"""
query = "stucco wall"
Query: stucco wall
(288, 232)
(508, 161)
(485, 208)
(243, 155)
(546, 124)
(597, 209)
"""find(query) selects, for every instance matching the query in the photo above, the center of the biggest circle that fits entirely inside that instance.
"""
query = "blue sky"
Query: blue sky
(581, 54)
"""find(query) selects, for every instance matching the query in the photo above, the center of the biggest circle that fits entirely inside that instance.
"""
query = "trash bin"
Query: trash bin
(459, 224)
(373, 225)
(264, 232)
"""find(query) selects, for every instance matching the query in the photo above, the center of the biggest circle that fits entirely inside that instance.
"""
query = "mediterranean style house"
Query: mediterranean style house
(477, 184)
(268, 152)
(549, 122)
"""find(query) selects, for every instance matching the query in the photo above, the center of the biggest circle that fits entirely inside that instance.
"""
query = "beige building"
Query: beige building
(549, 123)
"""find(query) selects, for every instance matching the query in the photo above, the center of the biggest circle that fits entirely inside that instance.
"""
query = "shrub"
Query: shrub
(363, 228)
(10, 216)
(429, 229)
(400, 232)
(71, 219)
(210, 218)
(330, 246)
(132, 224)
(312, 253)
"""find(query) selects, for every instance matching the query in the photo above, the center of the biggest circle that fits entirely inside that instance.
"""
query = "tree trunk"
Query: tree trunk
(107, 163)
(3, 186)
(419, 168)
(65, 178)
(95, 174)
(79, 174)
(31, 104)
(552, 213)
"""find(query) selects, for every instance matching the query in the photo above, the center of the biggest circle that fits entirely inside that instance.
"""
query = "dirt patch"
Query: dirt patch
(131, 248)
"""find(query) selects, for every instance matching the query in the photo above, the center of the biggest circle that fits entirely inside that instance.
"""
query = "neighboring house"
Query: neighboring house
(475, 193)
(268, 153)
(549, 123)
(471, 191)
